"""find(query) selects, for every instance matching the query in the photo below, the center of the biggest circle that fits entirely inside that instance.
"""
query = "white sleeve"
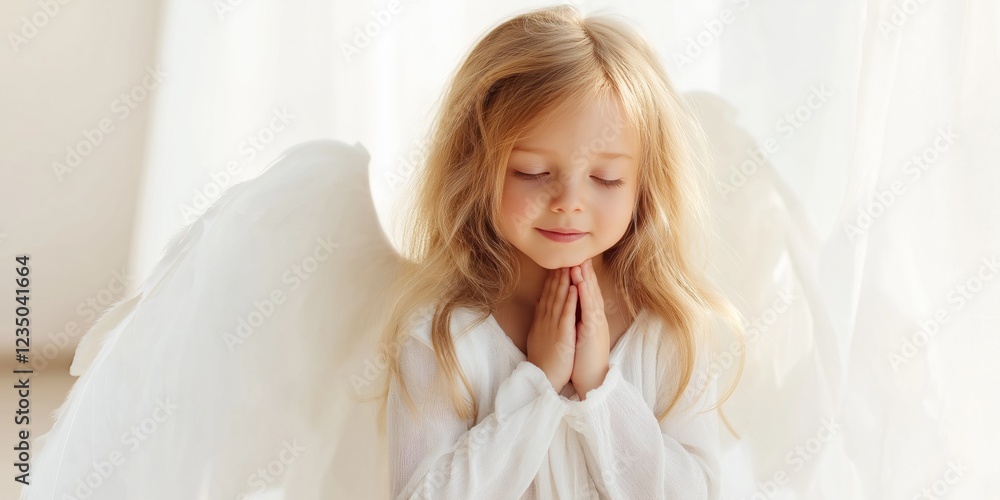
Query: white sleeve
(438, 456)
(635, 456)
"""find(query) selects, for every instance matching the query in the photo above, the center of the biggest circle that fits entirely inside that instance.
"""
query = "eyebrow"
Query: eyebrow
(603, 154)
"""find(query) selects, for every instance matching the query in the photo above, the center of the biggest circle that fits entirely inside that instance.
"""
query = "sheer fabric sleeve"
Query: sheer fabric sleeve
(635, 456)
(439, 455)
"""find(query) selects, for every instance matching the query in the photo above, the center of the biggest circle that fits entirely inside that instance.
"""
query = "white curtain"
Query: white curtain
(857, 186)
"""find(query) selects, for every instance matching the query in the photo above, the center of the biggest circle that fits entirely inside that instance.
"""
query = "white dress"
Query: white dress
(529, 442)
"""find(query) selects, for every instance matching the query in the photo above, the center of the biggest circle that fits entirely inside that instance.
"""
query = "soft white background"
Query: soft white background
(894, 74)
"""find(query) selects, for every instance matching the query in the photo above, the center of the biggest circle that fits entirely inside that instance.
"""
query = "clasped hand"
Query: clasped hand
(566, 349)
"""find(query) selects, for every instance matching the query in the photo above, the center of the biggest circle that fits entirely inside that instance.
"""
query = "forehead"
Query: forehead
(594, 128)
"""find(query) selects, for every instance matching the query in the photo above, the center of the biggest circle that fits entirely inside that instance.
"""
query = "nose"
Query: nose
(567, 195)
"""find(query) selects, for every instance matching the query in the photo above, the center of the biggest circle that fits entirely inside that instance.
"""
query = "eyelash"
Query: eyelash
(611, 184)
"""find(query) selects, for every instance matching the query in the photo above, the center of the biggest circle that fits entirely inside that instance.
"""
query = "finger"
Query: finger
(569, 308)
(577, 272)
(545, 299)
(595, 309)
(591, 274)
(596, 289)
(586, 301)
(585, 311)
(550, 299)
(567, 339)
(563, 291)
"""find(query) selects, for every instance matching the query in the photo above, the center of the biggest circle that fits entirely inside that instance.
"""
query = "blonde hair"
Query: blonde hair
(523, 70)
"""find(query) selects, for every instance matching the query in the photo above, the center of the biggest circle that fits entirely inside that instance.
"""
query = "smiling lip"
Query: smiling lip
(563, 230)
(561, 235)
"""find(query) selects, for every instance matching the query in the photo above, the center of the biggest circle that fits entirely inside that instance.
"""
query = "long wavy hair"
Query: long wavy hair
(521, 70)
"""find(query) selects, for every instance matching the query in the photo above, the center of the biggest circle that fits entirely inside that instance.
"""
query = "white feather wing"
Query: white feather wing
(234, 368)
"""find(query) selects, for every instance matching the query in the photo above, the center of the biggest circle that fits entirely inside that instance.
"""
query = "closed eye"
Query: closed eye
(612, 183)
(529, 177)
(604, 182)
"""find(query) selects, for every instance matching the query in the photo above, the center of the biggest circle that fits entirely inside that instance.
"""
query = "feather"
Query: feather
(228, 372)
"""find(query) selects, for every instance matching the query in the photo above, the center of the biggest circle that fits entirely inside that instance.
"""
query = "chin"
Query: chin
(559, 261)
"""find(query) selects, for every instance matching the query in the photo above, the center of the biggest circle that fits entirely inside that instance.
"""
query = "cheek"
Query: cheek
(616, 213)
(515, 209)
(522, 203)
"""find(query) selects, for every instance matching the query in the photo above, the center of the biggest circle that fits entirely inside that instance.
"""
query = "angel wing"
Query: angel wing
(233, 371)
(789, 392)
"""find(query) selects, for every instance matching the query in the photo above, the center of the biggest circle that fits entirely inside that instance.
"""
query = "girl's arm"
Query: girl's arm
(439, 456)
(634, 456)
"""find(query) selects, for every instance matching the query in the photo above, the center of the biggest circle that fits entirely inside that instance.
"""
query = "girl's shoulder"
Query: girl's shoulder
(463, 324)
(472, 347)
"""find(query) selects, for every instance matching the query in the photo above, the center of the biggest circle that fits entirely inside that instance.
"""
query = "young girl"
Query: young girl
(548, 338)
